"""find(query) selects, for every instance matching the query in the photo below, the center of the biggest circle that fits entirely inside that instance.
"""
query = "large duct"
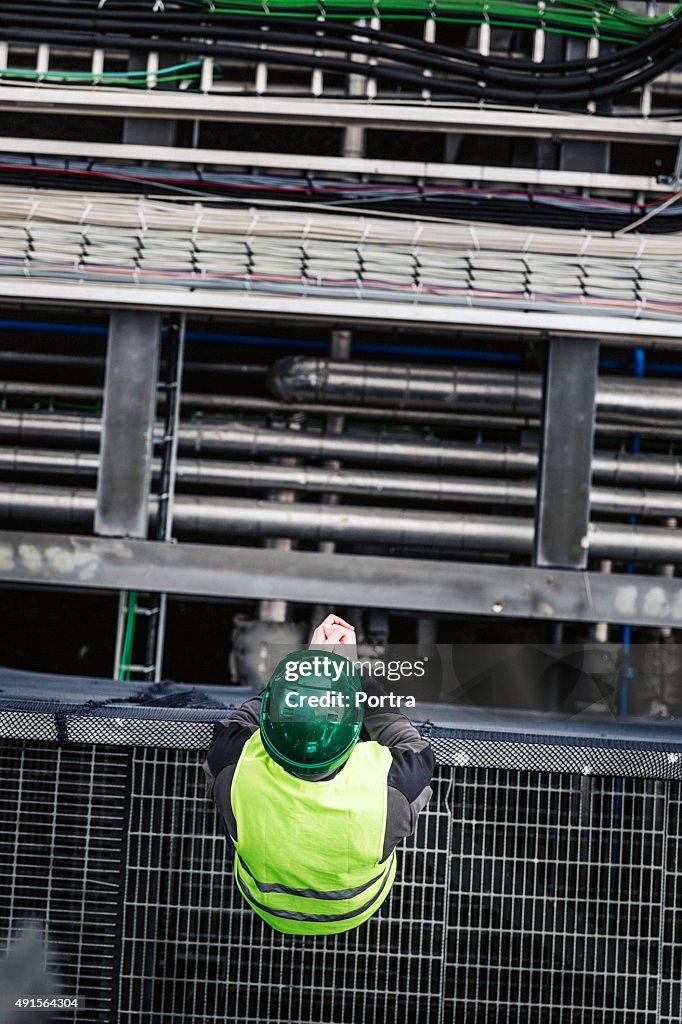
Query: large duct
(307, 378)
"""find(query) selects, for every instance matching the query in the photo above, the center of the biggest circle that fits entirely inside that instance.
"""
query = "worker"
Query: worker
(316, 789)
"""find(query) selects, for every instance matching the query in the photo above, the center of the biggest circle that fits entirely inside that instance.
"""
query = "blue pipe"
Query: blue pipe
(606, 363)
(51, 327)
(272, 342)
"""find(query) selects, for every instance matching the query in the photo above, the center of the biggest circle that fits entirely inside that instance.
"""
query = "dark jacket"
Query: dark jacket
(408, 778)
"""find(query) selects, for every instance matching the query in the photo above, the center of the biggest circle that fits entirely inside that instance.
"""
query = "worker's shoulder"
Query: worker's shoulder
(411, 770)
(228, 741)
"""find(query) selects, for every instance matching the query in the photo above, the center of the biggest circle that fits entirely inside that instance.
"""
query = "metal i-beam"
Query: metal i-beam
(565, 464)
(423, 585)
(128, 419)
(446, 118)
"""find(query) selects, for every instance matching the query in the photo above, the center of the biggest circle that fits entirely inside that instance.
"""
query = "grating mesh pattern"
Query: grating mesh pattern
(186, 728)
(63, 817)
(584, 760)
(525, 896)
(248, 972)
(556, 887)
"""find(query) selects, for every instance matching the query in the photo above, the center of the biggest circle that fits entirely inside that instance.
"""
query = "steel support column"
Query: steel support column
(565, 465)
(128, 419)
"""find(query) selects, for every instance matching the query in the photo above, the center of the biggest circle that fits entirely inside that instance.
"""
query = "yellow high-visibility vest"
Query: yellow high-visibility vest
(308, 854)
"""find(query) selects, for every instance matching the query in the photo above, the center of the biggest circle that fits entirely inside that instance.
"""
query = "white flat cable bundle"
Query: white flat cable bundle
(132, 240)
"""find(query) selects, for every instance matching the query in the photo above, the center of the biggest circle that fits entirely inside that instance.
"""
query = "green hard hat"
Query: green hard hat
(309, 717)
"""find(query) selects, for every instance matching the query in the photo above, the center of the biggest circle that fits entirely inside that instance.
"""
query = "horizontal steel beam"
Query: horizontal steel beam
(621, 330)
(431, 117)
(450, 588)
(304, 163)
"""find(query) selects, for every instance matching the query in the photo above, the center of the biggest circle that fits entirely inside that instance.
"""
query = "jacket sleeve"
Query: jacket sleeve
(227, 743)
(409, 777)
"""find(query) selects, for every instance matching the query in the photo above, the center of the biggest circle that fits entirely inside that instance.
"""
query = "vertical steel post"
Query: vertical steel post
(129, 410)
(564, 470)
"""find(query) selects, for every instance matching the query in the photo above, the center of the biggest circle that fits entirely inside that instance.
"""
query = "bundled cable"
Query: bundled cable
(608, 21)
(131, 241)
(392, 59)
(501, 205)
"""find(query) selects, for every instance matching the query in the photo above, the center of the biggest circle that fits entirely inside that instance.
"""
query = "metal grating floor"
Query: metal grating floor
(525, 897)
(247, 972)
(63, 818)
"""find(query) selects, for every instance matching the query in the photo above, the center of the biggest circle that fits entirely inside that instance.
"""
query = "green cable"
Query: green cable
(123, 76)
(573, 17)
(124, 670)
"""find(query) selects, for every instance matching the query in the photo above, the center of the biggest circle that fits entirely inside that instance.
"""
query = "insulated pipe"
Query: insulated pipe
(235, 438)
(399, 529)
(361, 483)
(307, 378)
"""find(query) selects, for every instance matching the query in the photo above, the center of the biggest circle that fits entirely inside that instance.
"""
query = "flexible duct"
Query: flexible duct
(308, 378)
(234, 438)
(360, 483)
(398, 529)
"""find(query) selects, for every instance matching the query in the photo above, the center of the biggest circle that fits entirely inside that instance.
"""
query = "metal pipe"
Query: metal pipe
(237, 438)
(94, 394)
(306, 378)
(243, 518)
(245, 403)
(422, 417)
(376, 484)
(98, 362)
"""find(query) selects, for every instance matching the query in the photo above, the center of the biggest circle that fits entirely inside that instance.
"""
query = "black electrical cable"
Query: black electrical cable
(537, 94)
(374, 49)
(608, 75)
(300, 27)
(519, 208)
(312, 31)
(204, 15)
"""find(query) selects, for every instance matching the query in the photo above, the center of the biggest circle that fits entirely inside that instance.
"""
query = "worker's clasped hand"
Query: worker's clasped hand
(334, 630)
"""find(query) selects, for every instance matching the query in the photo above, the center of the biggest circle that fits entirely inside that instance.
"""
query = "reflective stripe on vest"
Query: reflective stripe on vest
(308, 854)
